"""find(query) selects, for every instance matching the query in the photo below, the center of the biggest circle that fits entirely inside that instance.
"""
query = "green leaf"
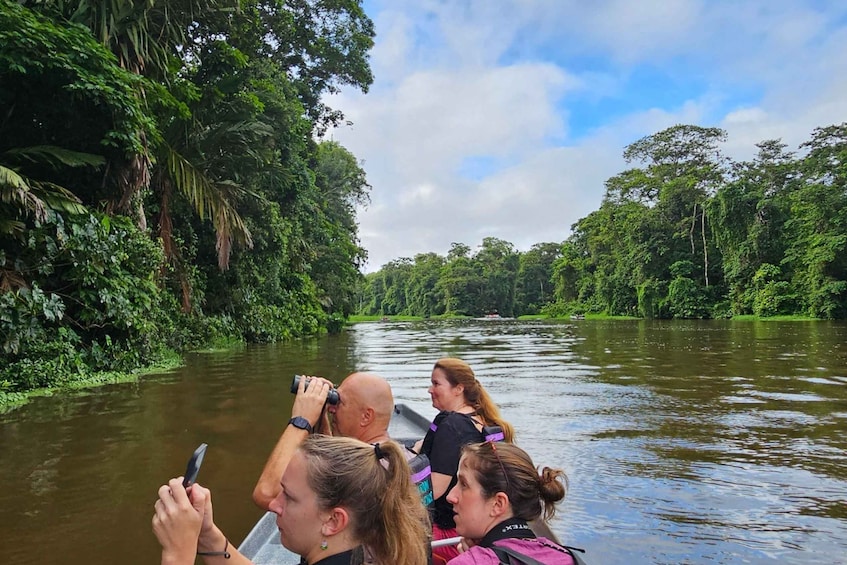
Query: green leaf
(55, 156)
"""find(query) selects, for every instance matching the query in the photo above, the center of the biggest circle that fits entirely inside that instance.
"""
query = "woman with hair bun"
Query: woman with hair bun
(467, 414)
(340, 499)
(498, 493)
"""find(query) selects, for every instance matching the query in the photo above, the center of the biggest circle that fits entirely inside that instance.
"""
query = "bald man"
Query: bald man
(363, 412)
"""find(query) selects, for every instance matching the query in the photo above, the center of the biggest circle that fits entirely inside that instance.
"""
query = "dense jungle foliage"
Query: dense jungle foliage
(687, 233)
(161, 186)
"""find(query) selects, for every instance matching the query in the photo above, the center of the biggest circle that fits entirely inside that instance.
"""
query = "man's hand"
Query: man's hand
(309, 402)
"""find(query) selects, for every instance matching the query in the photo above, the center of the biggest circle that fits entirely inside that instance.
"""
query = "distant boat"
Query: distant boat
(577, 316)
(493, 316)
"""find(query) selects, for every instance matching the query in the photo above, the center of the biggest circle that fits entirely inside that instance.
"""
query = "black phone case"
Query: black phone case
(194, 466)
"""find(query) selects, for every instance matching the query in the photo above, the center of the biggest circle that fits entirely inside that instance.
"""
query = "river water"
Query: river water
(684, 442)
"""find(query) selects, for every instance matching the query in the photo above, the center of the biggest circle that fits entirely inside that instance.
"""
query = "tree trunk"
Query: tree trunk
(691, 231)
(705, 250)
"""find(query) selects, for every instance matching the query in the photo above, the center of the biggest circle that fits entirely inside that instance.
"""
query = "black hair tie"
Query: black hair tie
(378, 452)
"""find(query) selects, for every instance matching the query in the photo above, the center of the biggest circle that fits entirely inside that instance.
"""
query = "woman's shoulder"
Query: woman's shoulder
(460, 425)
(454, 419)
(476, 556)
(540, 549)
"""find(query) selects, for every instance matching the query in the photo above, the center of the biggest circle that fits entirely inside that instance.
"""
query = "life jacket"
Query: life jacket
(538, 551)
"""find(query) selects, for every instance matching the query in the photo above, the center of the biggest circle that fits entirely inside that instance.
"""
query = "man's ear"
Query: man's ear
(367, 416)
(336, 521)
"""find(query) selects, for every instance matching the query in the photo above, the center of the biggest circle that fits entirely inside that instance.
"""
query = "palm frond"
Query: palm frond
(31, 196)
(11, 227)
(210, 199)
(17, 191)
(58, 198)
(9, 278)
(10, 180)
(54, 156)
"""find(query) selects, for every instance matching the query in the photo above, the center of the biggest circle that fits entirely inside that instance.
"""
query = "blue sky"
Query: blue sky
(504, 118)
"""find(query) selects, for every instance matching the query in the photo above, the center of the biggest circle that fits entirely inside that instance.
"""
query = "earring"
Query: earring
(324, 544)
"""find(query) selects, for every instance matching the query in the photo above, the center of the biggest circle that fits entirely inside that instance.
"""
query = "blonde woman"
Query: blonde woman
(337, 498)
(466, 413)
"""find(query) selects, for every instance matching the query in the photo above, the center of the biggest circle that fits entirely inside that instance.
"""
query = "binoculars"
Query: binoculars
(331, 398)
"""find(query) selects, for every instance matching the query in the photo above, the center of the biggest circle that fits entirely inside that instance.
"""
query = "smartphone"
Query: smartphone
(194, 466)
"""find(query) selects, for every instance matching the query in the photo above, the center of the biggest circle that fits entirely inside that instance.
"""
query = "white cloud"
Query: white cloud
(469, 132)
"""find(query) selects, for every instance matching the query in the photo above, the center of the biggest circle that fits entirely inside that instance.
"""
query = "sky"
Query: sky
(504, 118)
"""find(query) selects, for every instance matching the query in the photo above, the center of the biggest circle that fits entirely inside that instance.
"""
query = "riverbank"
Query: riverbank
(752, 318)
(167, 360)
(745, 318)
(12, 400)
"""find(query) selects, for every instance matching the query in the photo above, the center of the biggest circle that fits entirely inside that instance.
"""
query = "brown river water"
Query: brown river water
(684, 442)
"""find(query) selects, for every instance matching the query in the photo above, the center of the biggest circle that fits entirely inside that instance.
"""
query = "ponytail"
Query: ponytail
(460, 373)
(403, 516)
(552, 486)
(490, 413)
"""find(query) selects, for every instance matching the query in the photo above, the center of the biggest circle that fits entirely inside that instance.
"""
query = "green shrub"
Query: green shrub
(95, 274)
(686, 299)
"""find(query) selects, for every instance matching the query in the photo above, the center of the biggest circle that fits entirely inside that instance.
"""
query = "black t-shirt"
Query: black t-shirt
(443, 446)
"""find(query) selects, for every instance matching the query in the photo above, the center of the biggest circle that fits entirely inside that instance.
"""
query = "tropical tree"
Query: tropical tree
(684, 168)
(395, 275)
(817, 253)
(533, 286)
(341, 187)
(748, 219)
(425, 297)
(69, 108)
(497, 263)
(461, 283)
(23, 196)
(570, 271)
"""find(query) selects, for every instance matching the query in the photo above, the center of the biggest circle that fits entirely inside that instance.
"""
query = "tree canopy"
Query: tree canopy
(687, 233)
(163, 181)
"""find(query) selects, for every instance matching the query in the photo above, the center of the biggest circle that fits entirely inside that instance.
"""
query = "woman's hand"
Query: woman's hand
(211, 538)
(201, 498)
(465, 545)
(178, 521)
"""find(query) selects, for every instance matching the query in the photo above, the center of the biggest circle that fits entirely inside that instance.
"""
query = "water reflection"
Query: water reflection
(714, 442)
(684, 442)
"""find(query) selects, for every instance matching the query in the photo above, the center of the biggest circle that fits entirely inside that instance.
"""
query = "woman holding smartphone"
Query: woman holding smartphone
(336, 499)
